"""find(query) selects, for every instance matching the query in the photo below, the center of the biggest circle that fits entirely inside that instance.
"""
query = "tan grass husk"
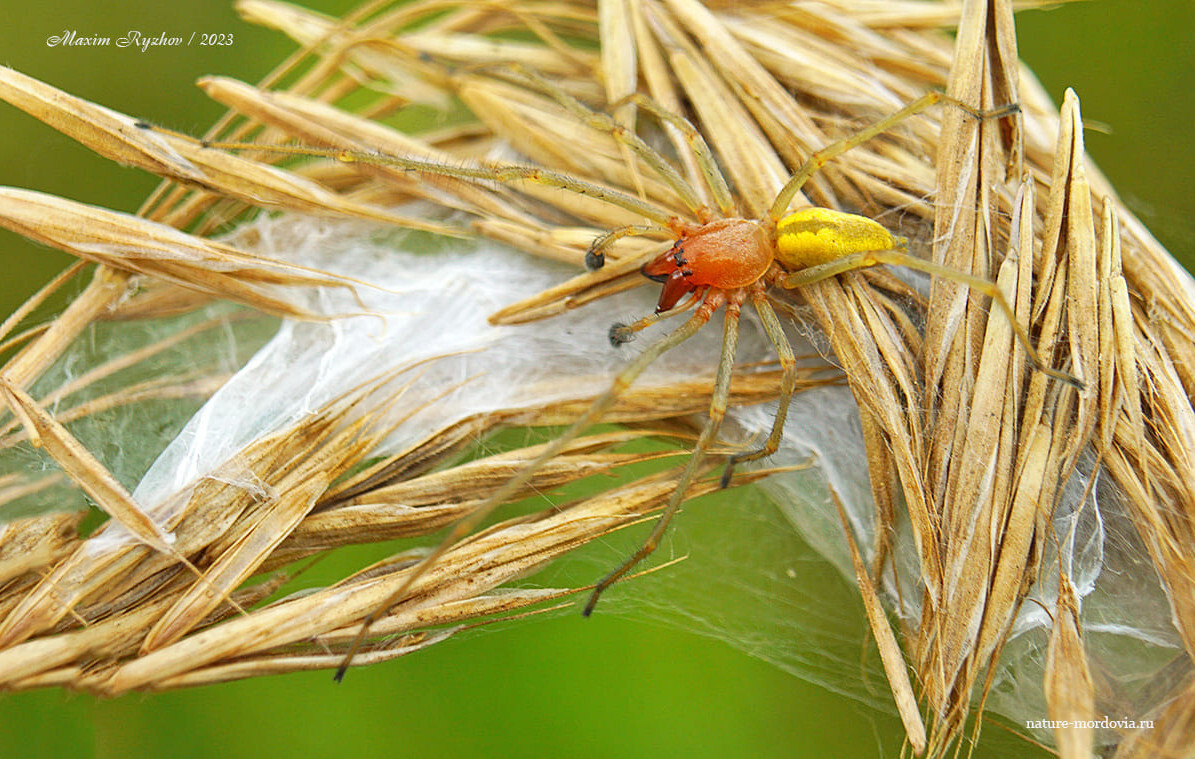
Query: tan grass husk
(964, 443)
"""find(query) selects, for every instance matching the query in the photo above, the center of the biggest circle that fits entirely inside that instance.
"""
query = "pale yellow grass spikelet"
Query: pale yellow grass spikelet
(985, 476)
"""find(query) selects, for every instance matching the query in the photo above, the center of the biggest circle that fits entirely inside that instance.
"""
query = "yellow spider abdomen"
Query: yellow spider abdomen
(814, 236)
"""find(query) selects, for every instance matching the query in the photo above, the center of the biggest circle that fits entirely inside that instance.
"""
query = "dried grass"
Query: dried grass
(962, 442)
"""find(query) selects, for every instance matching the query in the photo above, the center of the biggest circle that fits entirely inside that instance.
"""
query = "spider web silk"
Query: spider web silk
(768, 573)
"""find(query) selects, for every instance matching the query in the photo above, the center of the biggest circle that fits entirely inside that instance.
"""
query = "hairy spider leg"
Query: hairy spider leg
(624, 379)
(833, 248)
(595, 257)
(706, 163)
(603, 122)
(812, 262)
(788, 384)
(809, 264)
(896, 256)
(820, 158)
(622, 333)
(502, 173)
(899, 257)
(721, 396)
(511, 173)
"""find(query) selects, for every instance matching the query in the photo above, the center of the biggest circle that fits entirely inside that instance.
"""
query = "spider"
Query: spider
(718, 262)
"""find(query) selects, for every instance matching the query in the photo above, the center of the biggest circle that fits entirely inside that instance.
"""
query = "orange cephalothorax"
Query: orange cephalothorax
(725, 253)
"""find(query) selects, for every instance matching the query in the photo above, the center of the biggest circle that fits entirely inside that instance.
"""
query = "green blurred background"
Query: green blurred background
(612, 685)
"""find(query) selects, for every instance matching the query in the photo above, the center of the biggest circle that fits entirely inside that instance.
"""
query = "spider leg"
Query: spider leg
(704, 157)
(621, 333)
(721, 396)
(867, 259)
(819, 159)
(600, 405)
(595, 257)
(788, 384)
(503, 173)
(605, 123)
(706, 164)
(697, 145)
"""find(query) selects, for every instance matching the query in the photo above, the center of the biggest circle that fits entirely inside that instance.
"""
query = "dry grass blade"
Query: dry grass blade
(82, 467)
(318, 123)
(1068, 687)
(239, 562)
(894, 664)
(107, 132)
(492, 558)
(31, 543)
(135, 245)
(125, 140)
